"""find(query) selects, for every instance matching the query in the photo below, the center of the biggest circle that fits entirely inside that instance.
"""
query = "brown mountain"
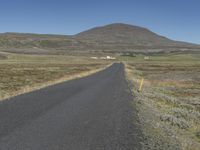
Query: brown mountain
(123, 33)
(128, 37)
(113, 37)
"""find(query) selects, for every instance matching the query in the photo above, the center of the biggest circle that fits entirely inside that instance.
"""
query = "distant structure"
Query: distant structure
(105, 58)
(94, 57)
(108, 58)
(146, 57)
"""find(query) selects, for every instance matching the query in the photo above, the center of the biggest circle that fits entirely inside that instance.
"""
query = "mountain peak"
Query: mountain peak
(124, 34)
(122, 25)
(112, 29)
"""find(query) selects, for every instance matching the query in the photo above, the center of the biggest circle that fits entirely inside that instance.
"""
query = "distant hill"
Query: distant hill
(27, 40)
(127, 36)
(113, 37)
(123, 34)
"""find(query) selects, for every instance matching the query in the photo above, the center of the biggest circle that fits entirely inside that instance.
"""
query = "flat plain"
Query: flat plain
(169, 103)
(20, 73)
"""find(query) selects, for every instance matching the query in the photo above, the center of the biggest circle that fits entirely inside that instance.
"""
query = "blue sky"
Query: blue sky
(176, 19)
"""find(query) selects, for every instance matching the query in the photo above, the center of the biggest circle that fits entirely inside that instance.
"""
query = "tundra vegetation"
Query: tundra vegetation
(168, 105)
(20, 73)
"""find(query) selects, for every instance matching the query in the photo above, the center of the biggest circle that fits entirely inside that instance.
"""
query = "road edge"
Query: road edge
(54, 82)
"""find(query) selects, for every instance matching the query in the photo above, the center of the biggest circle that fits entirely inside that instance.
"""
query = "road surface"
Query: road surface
(91, 113)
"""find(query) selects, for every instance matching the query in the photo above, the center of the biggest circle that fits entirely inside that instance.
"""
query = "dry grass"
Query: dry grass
(169, 103)
(24, 73)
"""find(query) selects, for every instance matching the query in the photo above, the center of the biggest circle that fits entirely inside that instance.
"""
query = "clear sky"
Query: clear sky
(176, 19)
